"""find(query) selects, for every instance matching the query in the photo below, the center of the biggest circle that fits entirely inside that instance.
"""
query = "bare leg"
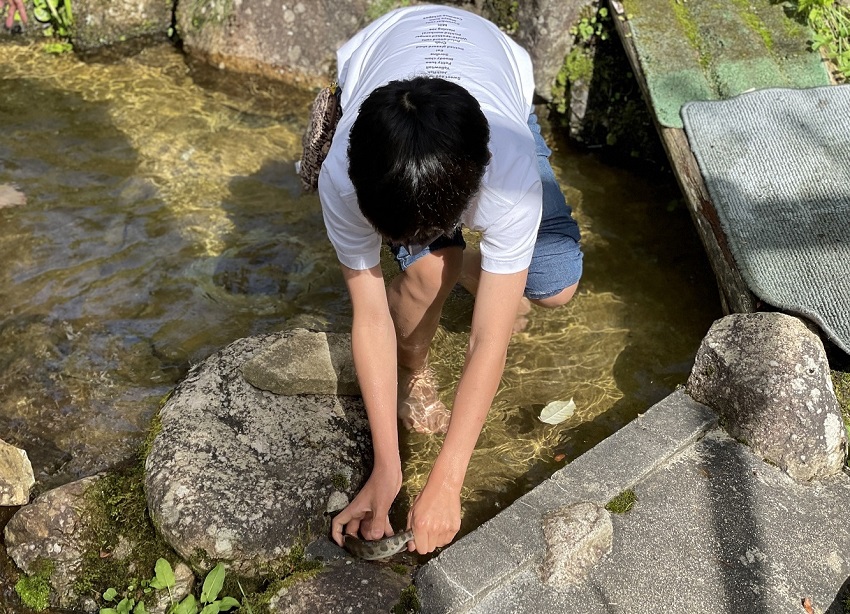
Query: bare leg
(416, 299)
(471, 273)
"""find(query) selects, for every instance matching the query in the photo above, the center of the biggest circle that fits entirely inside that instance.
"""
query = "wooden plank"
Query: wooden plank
(735, 295)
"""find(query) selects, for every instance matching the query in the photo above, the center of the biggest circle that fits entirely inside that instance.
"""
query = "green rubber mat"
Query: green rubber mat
(714, 49)
(776, 163)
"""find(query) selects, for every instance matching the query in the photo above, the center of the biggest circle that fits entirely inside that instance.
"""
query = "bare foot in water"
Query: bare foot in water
(522, 315)
(419, 406)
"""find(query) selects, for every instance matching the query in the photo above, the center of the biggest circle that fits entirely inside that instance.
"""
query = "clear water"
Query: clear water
(163, 220)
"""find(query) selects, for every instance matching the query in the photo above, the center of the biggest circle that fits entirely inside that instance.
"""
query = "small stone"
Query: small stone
(577, 537)
(16, 476)
(305, 362)
(52, 528)
(336, 502)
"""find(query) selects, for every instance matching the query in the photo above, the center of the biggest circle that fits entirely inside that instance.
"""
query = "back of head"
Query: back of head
(417, 153)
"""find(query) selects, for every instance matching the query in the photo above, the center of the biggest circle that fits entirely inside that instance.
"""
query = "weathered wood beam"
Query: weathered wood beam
(735, 295)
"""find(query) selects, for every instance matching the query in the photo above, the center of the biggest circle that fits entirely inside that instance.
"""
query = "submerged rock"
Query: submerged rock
(240, 474)
(16, 476)
(767, 376)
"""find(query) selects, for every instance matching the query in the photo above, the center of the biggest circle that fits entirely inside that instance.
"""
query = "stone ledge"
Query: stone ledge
(512, 542)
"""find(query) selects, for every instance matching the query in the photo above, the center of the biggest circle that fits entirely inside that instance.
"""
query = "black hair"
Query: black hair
(416, 156)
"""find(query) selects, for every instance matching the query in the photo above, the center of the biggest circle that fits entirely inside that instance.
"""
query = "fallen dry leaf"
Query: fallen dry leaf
(807, 606)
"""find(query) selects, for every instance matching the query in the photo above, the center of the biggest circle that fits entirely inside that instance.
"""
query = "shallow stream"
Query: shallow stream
(163, 219)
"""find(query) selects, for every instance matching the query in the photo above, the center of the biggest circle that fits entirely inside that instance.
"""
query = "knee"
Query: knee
(558, 300)
(433, 276)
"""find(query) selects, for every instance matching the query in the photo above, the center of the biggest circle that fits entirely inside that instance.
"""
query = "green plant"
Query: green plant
(208, 602)
(830, 22)
(57, 15)
(593, 26)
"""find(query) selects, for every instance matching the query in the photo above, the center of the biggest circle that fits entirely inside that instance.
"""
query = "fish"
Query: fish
(379, 548)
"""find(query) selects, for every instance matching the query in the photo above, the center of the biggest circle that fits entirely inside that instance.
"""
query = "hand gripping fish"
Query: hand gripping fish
(378, 549)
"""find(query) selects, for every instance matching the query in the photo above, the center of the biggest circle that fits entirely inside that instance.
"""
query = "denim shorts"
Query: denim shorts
(556, 263)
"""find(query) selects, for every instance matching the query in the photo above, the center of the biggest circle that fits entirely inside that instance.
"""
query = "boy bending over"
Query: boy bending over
(437, 133)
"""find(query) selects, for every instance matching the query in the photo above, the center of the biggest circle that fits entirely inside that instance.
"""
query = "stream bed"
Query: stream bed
(150, 215)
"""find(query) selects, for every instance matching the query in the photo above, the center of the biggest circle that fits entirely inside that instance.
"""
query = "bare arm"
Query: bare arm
(435, 515)
(373, 344)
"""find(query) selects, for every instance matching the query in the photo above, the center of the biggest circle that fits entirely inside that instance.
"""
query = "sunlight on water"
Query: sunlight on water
(164, 220)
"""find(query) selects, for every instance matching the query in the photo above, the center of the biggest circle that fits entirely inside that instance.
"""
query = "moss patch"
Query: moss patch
(503, 13)
(841, 383)
(117, 517)
(34, 589)
(622, 503)
(340, 482)
(378, 8)
(408, 602)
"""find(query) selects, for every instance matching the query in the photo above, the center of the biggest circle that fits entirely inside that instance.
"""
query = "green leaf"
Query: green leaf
(228, 602)
(187, 606)
(140, 608)
(125, 605)
(42, 14)
(210, 608)
(108, 611)
(164, 575)
(110, 594)
(212, 584)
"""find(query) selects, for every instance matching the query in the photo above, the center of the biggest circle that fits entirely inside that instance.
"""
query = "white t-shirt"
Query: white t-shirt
(456, 45)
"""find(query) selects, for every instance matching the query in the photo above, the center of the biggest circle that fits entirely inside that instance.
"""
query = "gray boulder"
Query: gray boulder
(16, 476)
(52, 529)
(239, 474)
(343, 586)
(292, 41)
(98, 23)
(767, 376)
(544, 30)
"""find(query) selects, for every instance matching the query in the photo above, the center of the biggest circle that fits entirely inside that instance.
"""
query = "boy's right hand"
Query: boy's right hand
(368, 513)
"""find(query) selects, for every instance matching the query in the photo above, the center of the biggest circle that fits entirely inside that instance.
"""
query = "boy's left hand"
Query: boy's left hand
(434, 517)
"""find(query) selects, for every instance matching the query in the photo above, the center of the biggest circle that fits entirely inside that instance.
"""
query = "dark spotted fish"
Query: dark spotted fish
(378, 549)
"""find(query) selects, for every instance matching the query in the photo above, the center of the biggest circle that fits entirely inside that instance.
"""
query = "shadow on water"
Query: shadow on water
(282, 251)
(84, 218)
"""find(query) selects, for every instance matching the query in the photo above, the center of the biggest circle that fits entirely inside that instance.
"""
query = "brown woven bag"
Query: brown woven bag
(316, 141)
